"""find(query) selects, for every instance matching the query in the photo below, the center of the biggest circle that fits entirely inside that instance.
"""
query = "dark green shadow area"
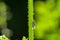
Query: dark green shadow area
(18, 23)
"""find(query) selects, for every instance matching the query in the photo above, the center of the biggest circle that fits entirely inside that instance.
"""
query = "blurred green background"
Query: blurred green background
(18, 21)
(46, 17)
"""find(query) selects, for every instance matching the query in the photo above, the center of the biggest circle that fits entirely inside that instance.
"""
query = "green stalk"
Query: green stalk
(30, 19)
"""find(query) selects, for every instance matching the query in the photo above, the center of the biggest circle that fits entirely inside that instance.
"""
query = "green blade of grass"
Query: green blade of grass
(30, 17)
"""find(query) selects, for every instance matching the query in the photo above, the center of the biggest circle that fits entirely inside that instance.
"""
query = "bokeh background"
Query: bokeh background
(16, 24)
(47, 19)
